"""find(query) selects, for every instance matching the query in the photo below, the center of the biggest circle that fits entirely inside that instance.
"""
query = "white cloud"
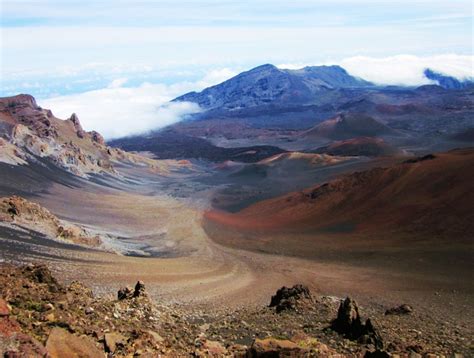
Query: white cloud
(117, 83)
(407, 69)
(404, 70)
(185, 46)
(117, 111)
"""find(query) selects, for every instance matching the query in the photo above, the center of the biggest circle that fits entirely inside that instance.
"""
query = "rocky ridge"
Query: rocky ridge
(25, 214)
(28, 132)
(41, 317)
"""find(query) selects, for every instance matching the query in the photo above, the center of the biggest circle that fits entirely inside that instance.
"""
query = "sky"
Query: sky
(117, 62)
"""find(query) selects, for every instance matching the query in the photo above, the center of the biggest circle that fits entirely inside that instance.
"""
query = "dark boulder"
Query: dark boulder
(124, 293)
(349, 324)
(287, 298)
(139, 290)
(127, 293)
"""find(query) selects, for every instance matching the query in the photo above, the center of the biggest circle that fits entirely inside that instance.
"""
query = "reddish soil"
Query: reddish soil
(432, 196)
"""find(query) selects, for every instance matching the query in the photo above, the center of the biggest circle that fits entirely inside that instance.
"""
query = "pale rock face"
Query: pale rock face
(67, 156)
(10, 154)
(27, 130)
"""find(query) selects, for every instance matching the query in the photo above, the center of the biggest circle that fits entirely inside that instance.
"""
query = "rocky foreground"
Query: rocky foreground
(40, 317)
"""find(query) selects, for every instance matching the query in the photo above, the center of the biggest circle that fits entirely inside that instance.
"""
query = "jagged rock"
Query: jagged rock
(127, 292)
(139, 289)
(399, 310)
(97, 137)
(124, 293)
(33, 131)
(286, 298)
(62, 344)
(349, 324)
(272, 347)
(112, 340)
(81, 133)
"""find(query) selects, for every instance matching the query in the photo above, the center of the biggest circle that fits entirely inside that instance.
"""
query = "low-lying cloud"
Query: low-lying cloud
(405, 70)
(408, 70)
(117, 110)
(120, 109)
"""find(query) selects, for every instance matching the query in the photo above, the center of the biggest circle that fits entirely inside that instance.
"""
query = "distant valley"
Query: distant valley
(311, 179)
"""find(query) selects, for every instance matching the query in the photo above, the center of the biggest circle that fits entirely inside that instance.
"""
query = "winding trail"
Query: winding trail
(198, 272)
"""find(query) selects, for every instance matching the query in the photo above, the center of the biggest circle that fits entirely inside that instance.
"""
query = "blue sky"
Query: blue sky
(55, 49)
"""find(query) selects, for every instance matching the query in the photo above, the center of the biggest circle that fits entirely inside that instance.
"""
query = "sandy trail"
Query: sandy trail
(202, 273)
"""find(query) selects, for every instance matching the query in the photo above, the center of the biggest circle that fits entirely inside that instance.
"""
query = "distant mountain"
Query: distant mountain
(267, 108)
(267, 84)
(447, 82)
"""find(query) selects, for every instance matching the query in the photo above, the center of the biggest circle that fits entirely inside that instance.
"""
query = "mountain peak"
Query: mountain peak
(265, 84)
(266, 66)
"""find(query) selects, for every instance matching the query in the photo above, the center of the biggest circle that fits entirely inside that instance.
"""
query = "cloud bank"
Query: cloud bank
(408, 70)
(403, 70)
(117, 111)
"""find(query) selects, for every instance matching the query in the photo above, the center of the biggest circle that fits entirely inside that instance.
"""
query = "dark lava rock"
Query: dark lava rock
(399, 310)
(286, 298)
(124, 293)
(139, 289)
(349, 324)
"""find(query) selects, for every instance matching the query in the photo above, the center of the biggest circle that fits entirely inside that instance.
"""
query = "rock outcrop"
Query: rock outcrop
(28, 131)
(288, 298)
(349, 323)
(127, 293)
(20, 212)
(42, 317)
